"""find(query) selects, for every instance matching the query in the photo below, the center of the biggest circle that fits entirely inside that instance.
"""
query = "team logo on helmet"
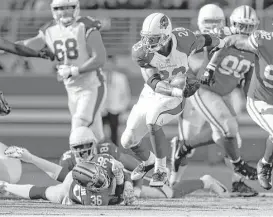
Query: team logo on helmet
(164, 22)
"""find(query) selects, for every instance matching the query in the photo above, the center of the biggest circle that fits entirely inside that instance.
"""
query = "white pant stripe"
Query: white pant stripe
(207, 113)
(259, 118)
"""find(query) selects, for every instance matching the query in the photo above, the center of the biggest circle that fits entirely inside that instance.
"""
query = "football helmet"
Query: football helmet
(91, 176)
(82, 143)
(65, 11)
(210, 16)
(156, 31)
(244, 20)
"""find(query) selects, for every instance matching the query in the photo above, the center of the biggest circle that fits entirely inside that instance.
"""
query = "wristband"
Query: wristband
(74, 70)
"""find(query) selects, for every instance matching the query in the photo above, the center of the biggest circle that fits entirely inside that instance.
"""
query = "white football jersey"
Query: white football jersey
(69, 46)
(176, 63)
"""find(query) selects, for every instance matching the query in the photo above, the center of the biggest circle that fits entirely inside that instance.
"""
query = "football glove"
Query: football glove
(19, 153)
(222, 44)
(117, 169)
(128, 193)
(191, 86)
(66, 71)
(4, 106)
(207, 77)
(45, 53)
(3, 186)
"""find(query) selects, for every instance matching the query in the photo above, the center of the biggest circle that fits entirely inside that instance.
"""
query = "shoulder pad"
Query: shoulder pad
(141, 55)
(90, 23)
(257, 37)
(185, 39)
(108, 148)
(197, 32)
(47, 25)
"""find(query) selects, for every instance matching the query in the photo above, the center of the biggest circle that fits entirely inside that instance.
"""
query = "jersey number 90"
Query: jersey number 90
(68, 48)
(233, 65)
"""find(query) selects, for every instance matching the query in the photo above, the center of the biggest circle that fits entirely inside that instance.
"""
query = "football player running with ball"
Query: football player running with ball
(260, 93)
(162, 54)
(78, 47)
(215, 104)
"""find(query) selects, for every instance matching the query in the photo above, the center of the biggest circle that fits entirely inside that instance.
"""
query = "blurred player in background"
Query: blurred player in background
(78, 47)
(215, 104)
(260, 94)
(162, 55)
(118, 97)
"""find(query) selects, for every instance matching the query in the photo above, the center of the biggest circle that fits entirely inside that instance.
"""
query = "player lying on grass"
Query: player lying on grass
(83, 152)
(91, 182)
(98, 181)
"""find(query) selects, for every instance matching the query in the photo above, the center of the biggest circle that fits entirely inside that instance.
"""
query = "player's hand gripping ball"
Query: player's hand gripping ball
(189, 85)
(179, 81)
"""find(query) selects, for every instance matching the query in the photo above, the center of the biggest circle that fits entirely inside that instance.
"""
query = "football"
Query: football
(179, 81)
(10, 168)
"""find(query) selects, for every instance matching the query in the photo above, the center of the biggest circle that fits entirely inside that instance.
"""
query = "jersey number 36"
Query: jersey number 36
(67, 48)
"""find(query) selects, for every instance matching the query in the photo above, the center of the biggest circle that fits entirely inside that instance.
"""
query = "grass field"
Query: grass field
(197, 204)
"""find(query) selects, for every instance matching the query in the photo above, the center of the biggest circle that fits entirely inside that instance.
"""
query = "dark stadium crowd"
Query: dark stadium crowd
(40, 5)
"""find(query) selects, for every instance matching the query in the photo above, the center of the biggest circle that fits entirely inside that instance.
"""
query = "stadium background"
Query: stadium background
(40, 120)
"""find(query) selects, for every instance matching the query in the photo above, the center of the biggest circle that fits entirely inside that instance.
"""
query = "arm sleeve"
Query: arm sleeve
(186, 40)
(36, 193)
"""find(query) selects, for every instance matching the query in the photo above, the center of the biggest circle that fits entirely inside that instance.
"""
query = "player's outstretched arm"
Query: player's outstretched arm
(18, 49)
(205, 40)
(50, 168)
(242, 42)
(36, 43)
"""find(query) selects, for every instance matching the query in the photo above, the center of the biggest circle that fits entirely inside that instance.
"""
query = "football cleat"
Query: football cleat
(3, 186)
(159, 178)
(245, 170)
(215, 186)
(140, 171)
(241, 189)
(19, 153)
(264, 174)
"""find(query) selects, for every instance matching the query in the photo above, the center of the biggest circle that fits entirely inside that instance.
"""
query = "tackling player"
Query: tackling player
(260, 94)
(91, 182)
(215, 104)
(162, 55)
(78, 47)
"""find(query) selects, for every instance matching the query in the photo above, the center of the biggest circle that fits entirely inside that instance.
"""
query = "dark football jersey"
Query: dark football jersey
(68, 161)
(261, 86)
(81, 195)
(233, 64)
